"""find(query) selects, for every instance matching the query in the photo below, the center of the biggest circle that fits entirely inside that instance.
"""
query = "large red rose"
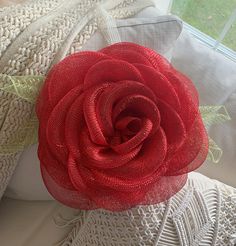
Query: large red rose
(118, 128)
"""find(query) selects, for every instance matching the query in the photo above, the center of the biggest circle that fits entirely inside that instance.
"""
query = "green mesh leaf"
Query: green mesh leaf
(214, 152)
(25, 87)
(214, 115)
(18, 122)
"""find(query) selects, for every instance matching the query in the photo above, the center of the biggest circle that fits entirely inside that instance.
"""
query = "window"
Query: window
(211, 21)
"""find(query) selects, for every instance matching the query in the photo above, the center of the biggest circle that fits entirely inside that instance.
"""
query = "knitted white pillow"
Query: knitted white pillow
(156, 32)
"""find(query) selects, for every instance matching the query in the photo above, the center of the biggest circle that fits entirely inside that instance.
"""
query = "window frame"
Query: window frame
(215, 44)
(210, 42)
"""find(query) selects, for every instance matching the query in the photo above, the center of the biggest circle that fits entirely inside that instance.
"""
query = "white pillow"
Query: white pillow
(215, 78)
(156, 32)
(159, 33)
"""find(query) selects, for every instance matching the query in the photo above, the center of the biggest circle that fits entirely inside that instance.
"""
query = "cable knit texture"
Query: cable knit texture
(33, 36)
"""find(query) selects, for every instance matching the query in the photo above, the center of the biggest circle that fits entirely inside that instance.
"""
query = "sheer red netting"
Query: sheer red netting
(118, 128)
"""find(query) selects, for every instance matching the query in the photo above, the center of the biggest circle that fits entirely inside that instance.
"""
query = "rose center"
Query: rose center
(134, 126)
(128, 126)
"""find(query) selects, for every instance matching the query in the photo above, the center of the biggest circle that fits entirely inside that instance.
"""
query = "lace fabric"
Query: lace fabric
(201, 214)
(227, 218)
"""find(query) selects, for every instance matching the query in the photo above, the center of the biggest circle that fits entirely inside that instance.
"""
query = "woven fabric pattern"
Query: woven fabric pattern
(31, 36)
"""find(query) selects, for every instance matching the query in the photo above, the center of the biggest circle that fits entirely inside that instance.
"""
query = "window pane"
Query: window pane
(230, 38)
(209, 16)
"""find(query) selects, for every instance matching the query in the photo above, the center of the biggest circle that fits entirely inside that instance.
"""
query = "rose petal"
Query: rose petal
(142, 55)
(56, 169)
(125, 185)
(159, 84)
(75, 175)
(56, 124)
(187, 95)
(73, 126)
(150, 157)
(111, 96)
(138, 139)
(186, 83)
(90, 114)
(129, 56)
(69, 197)
(138, 174)
(192, 153)
(165, 188)
(172, 125)
(129, 125)
(93, 155)
(70, 73)
(141, 106)
(116, 70)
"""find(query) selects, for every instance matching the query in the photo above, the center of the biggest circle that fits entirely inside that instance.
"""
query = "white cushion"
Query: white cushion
(215, 78)
(156, 32)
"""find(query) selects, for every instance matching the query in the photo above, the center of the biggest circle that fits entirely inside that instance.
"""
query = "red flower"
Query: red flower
(118, 127)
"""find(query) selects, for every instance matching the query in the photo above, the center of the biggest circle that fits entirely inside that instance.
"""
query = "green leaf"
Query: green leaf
(213, 115)
(214, 152)
(25, 87)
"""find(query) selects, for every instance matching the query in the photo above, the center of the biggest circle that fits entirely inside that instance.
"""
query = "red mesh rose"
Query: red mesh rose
(118, 127)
